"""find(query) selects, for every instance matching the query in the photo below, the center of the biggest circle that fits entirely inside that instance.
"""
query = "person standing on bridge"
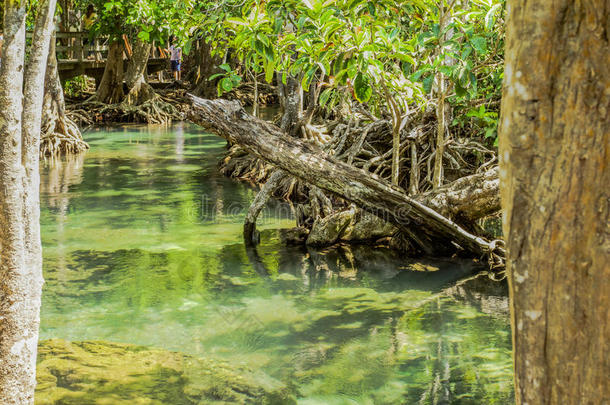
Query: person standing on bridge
(1, 45)
(175, 59)
(88, 22)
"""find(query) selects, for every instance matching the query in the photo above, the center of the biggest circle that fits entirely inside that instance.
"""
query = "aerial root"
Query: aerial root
(62, 136)
(159, 109)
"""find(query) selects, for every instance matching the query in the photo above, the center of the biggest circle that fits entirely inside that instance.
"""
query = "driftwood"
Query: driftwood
(427, 230)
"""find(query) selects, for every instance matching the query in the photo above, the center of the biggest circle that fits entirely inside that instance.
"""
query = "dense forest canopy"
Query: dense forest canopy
(388, 55)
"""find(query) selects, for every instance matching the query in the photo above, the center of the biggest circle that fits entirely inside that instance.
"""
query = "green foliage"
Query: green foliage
(229, 79)
(149, 20)
(389, 55)
(379, 53)
(486, 121)
(76, 86)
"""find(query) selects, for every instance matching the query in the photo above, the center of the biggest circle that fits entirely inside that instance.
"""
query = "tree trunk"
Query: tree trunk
(110, 90)
(442, 108)
(20, 247)
(281, 92)
(59, 134)
(257, 206)
(139, 91)
(414, 173)
(396, 152)
(430, 232)
(206, 67)
(554, 140)
(255, 103)
(293, 105)
(16, 367)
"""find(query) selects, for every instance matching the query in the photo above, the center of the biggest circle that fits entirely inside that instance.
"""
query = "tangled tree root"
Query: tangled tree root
(365, 142)
(155, 111)
(428, 231)
(267, 94)
(161, 109)
(61, 135)
(58, 144)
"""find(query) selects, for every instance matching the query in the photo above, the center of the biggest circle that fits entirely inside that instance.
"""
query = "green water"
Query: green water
(142, 245)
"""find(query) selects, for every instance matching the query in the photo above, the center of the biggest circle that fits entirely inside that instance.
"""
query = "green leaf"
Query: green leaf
(479, 44)
(263, 39)
(269, 71)
(226, 84)
(259, 47)
(187, 47)
(447, 70)
(490, 17)
(325, 96)
(428, 81)
(215, 76)
(362, 88)
(406, 58)
(144, 36)
(417, 75)
(308, 77)
(269, 54)
(460, 91)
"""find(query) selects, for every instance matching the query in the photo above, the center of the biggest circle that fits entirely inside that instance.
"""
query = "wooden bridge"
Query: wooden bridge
(77, 55)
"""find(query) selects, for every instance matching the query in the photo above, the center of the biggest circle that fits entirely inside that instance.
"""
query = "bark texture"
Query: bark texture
(59, 134)
(554, 141)
(429, 231)
(206, 65)
(139, 91)
(467, 199)
(20, 247)
(257, 206)
(442, 107)
(16, 353)
(110, 90)
(292, 95)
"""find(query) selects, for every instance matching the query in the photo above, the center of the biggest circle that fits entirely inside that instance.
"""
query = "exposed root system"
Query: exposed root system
(163, 108)
(63, 137)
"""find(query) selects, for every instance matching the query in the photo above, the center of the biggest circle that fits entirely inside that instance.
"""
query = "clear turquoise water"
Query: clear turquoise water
(142, 244)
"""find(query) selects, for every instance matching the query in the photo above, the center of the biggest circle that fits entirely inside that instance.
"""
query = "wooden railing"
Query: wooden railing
(75, 46)
(78, 54)
(78, 46)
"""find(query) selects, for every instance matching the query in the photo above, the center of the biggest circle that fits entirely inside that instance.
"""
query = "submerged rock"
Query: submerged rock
(83, 373)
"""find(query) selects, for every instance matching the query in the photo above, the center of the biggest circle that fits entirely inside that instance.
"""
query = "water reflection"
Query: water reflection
(142, 243)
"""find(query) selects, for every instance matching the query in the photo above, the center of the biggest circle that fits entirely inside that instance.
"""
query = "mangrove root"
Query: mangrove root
(427, 230)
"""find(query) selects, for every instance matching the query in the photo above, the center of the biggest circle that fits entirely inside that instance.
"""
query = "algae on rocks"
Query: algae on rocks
(115, 373)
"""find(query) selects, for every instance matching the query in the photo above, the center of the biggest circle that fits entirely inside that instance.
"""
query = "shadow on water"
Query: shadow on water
(142, 240)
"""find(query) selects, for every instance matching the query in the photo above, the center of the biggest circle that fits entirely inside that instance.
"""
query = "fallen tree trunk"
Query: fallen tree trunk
(427, 230)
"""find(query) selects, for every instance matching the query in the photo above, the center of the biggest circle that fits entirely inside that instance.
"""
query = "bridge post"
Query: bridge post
(79, 47)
